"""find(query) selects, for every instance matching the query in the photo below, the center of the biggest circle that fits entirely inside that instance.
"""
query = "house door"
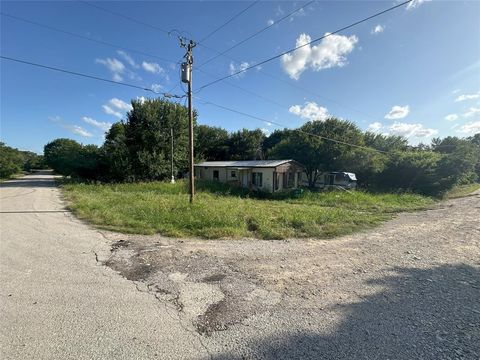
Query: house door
(331, 179)
(245, 178)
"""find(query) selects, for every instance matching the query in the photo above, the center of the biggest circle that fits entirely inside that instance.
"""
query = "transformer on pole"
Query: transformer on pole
(187, 78)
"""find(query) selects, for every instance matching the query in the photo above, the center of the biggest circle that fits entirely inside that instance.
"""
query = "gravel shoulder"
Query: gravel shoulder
(407, 289)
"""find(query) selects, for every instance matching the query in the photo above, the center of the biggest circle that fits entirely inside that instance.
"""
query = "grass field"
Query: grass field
(222, 212)
(461, 191)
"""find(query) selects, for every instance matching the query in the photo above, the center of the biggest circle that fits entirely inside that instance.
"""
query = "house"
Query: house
(264, 175)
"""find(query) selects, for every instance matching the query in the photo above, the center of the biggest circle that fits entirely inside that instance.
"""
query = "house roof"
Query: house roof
(244, 164)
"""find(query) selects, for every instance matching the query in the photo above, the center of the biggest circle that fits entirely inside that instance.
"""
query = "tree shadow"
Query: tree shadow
(421, 314)
(42, 178)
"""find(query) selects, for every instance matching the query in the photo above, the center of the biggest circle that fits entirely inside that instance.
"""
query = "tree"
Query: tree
(211, 143)
(411, 171)
(246, 145)
(148, 136)
(273, 139)
(114, 155)
(385, 142)
(309, 145)
(62, 155)
(11, 161)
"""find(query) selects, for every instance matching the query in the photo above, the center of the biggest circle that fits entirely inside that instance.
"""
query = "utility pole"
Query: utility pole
(171, 152)
(187, 78)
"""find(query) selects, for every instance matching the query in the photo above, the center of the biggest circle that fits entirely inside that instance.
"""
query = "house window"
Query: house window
(288, 180)
(291, 180)
(215, 175)
(233, 174)
(257, 179)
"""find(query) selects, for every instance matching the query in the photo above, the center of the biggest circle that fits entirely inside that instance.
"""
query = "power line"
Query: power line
(301, 46)
(101, 42)
(228, 21)
(285, 126)
(257, 33)
(125, 16)
(90, 76)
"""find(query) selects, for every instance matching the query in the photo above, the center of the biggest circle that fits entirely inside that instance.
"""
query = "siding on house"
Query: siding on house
(274, 173)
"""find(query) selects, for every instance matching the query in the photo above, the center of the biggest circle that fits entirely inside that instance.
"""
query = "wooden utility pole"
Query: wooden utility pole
(187, 78)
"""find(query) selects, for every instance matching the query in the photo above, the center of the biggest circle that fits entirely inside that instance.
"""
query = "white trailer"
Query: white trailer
(333, 180)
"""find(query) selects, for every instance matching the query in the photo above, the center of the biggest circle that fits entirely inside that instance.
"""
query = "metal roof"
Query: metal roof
(243, 164)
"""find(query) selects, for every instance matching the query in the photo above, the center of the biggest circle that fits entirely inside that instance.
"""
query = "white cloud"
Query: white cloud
(270, 22)
(378, 29)
(120, 104)
(108, 110)
(156, 87)
(416, 3)
(75, 129)
(456, 91)
(299, 13)
(153, 68)
(470, 128)
(128, 59)
(374, 127)
(265, 131)
(105, 126)
(310, 111)
(398, 112)
(234, 68)
(472, 112)
(467, 97)
(331, 52)
(116, 67)
(142, 99)
(411, 130)
(451, 117)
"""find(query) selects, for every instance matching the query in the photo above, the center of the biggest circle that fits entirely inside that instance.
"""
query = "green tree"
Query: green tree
(115, 156)
(148, 137)
(211, 143)
(246, 145)
(62, 155)
(309, 145)
(11, 161)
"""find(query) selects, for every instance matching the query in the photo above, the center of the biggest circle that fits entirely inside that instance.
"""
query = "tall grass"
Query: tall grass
(220, 211)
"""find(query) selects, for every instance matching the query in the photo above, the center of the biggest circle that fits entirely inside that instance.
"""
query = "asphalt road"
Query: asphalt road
(408, 289)
(57, 302)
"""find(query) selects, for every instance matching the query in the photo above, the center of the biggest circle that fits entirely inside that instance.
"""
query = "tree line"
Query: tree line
(14, 161)
(139, 148)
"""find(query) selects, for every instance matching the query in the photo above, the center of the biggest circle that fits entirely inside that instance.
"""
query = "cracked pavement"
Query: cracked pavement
(58, 302)
(408, 289)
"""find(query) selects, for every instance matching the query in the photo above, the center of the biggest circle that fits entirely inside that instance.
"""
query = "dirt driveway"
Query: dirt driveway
(409, 289)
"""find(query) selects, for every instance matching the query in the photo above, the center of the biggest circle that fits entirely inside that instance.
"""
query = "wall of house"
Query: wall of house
(267, 178)
(204, 173)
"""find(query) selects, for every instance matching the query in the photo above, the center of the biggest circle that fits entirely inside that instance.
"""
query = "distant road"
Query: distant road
(56, 302)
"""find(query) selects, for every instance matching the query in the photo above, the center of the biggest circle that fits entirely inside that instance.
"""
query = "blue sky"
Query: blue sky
(413, 72)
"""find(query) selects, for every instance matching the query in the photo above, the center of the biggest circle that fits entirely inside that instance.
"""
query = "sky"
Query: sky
(414, 71)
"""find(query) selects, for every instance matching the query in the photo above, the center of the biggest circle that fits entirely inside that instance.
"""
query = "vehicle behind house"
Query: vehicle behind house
(333, 180)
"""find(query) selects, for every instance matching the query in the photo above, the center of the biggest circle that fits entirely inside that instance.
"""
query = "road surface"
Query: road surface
(57, 302)
(408, 289)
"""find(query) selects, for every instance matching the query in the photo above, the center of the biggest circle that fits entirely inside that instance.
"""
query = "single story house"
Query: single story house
(264, 175)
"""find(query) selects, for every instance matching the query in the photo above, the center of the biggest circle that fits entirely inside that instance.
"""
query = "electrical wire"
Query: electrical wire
(285, 126)
(233, 59)
(257, 33)
(228, 21)
(301, 46)
(125, 16)
(168, 95)
(101, 42)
